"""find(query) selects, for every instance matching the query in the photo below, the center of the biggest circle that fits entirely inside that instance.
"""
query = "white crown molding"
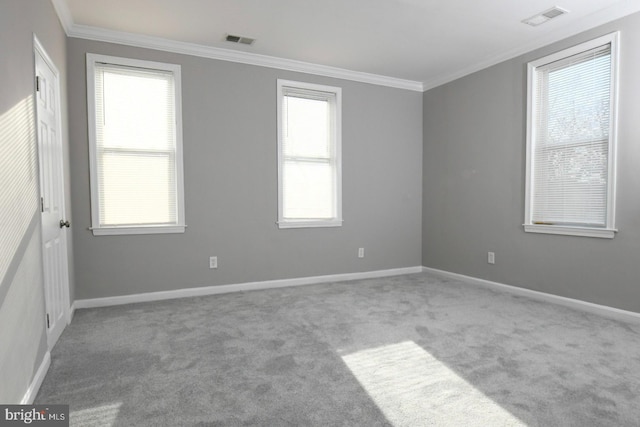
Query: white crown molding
(239, 287)
(617, 11)
(64, 14)
(158, 43)
(601, 310)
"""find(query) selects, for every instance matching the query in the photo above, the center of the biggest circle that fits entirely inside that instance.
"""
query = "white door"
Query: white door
(54, 224)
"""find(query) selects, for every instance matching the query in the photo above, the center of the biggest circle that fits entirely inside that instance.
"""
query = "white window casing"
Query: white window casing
(309, 155)
(571, 140)
(135, 146)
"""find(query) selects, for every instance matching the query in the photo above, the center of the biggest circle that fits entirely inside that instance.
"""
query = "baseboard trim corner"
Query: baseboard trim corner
(239, 287)
(71, 313)
(36, 382)
(589, 307)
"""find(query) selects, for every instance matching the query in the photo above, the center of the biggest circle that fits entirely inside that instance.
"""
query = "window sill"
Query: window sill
(152, 229)
(309, 223)
(604, 233)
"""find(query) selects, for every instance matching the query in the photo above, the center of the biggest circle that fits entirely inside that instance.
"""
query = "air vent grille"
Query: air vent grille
(239, 39)
(552, 13)
(545, 16)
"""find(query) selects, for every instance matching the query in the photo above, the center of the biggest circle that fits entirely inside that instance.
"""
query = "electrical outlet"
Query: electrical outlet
(213, 262)
(491, 257)
(360, 252)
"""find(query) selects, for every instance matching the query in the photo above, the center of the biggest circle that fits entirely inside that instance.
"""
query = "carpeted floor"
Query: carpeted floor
(414, 350)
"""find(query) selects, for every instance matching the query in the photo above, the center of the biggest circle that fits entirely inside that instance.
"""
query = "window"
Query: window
(571, 141)
(309, 163)
(135, 145)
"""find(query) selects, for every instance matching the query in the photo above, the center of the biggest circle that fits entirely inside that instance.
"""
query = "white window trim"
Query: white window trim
(92, 59)
(609, 230)
(310, 223)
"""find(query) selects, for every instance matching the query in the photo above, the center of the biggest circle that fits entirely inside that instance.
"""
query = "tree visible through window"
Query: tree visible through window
(571, 141)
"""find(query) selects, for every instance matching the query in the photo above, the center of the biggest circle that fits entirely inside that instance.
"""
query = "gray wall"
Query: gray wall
(474, 185)
(229, 113)
(22, 323)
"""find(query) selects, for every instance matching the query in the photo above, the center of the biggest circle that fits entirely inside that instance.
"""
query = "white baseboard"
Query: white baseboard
(71, 312)
(34, 387)
(239, 287)
(602, 310)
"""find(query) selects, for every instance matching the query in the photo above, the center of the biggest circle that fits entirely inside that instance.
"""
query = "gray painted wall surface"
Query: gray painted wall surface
(229, 113)
(22, 323)
(474, 185)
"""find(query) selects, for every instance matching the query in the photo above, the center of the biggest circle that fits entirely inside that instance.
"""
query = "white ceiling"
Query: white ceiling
(417, 43)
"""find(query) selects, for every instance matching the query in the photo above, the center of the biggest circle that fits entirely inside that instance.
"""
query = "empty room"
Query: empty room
(302, 213)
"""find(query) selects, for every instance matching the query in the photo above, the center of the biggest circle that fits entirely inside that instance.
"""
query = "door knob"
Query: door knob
(64, 223)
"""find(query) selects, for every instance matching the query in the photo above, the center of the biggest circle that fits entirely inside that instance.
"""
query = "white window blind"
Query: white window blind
(571, 146)
(309, 155)
(138, 179)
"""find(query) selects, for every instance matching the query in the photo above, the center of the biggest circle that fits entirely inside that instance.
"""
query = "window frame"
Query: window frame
(337, 220)
(175, 69)
(602, 232)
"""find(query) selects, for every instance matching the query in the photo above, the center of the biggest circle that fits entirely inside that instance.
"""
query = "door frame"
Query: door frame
(38, 49)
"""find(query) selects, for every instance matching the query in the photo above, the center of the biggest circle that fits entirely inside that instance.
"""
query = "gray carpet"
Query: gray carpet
(414, 350)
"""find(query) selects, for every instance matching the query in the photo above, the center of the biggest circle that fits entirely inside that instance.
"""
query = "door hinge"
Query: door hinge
(47, 320)
(37, 83)
(41, 204)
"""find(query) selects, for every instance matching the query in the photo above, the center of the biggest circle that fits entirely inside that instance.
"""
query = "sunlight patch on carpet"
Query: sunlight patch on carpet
(103, 416)
(412, 388)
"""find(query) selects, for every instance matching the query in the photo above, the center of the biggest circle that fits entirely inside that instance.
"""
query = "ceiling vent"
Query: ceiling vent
(545, 16)
(239, 39)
